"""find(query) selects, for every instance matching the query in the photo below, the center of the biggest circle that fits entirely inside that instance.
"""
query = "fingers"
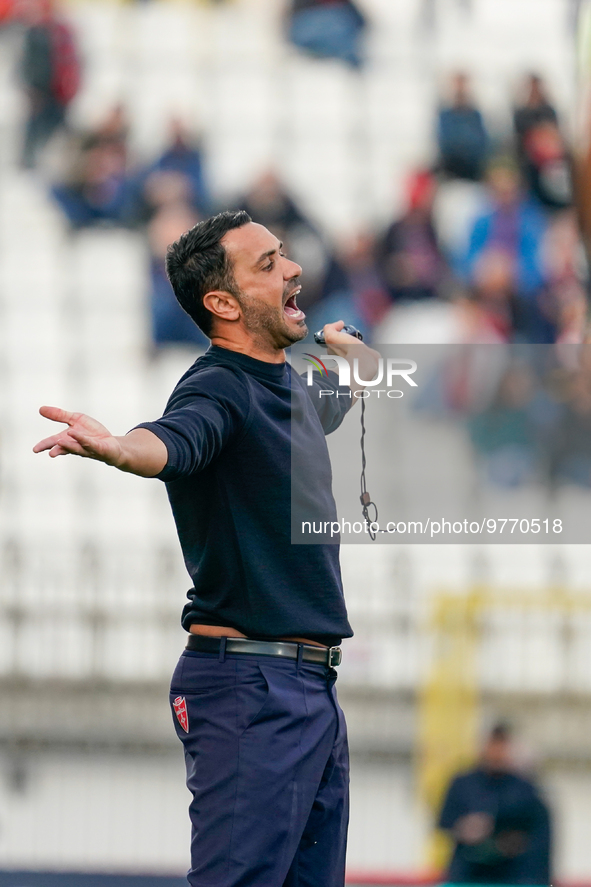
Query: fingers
(56, 414)
(334, 327)
(82, 443)
(78, 435)
(62, 436)
(66, 442)
(47, 443)
(58, 451)
(333, 335)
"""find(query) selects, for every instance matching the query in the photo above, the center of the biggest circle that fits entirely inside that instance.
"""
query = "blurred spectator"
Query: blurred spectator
(504, 311)
(461, 134)
(500, 824)
(549, 273)
(328, 29)
(180, 162)
(512, 224)
(411, 264)
(170, 324)
(49, 71)
(535, 110)
(541, 149)
(564, 300)
(359, 297)
(98, 190)
(169, 197)
(547, 166)
(369, 294)
(493, 295)
(269, 204)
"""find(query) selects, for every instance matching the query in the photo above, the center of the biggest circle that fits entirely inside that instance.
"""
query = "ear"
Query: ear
(222, 305)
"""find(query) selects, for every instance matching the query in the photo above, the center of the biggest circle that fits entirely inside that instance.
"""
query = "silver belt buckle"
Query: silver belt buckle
(335, 656)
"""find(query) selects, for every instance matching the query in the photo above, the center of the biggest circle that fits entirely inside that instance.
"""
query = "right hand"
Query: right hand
(473, 828)
(83, 437)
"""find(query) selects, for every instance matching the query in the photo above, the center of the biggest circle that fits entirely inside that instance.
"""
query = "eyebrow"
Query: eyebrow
(267, 255)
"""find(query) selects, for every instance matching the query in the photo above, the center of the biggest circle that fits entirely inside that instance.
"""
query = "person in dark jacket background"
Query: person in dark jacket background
(410, 262)
(49, 71)
(500, 824)
(463, 141)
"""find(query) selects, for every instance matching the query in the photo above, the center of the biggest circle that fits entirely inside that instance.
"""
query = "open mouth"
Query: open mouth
(291, 306)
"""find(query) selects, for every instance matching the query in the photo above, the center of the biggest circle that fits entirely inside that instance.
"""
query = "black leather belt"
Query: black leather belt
(330, 656)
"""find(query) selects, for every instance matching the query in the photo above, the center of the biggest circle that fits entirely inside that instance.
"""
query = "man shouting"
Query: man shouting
(253, 695)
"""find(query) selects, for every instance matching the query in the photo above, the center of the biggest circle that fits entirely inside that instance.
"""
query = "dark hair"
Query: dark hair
(197, 263)
(501, 732)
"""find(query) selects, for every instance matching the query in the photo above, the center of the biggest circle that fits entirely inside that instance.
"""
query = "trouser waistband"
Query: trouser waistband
(329, 656)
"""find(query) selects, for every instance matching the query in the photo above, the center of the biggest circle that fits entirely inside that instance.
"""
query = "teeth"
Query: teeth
(290, 306)
(296, 314)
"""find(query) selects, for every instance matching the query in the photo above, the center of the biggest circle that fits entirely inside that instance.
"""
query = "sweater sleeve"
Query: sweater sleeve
(331, 407)
(203, 416)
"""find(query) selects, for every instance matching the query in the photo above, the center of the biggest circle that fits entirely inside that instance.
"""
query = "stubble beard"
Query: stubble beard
(268, 325)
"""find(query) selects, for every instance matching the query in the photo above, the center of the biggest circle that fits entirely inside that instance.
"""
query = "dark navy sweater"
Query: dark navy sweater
(245, 438)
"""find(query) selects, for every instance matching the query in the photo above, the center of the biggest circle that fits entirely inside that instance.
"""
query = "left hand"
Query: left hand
(351, 348)
(336, 341)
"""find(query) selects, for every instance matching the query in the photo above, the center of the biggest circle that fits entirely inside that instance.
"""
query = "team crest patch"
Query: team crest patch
(180, 710)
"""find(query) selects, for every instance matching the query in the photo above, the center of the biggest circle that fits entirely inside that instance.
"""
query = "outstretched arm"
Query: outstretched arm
(139, 452)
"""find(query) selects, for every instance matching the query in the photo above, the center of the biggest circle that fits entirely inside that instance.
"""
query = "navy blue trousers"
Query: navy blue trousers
(268, 767)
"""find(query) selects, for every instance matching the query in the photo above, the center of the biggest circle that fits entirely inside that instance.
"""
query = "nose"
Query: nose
(291, 269)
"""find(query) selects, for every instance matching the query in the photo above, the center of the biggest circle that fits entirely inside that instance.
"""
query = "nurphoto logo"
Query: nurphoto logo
(390, 372)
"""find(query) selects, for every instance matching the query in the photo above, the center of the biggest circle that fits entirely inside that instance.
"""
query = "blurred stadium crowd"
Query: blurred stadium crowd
(488, 228)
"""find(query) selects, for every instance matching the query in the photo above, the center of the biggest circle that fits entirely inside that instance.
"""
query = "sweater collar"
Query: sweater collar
(261, 368)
